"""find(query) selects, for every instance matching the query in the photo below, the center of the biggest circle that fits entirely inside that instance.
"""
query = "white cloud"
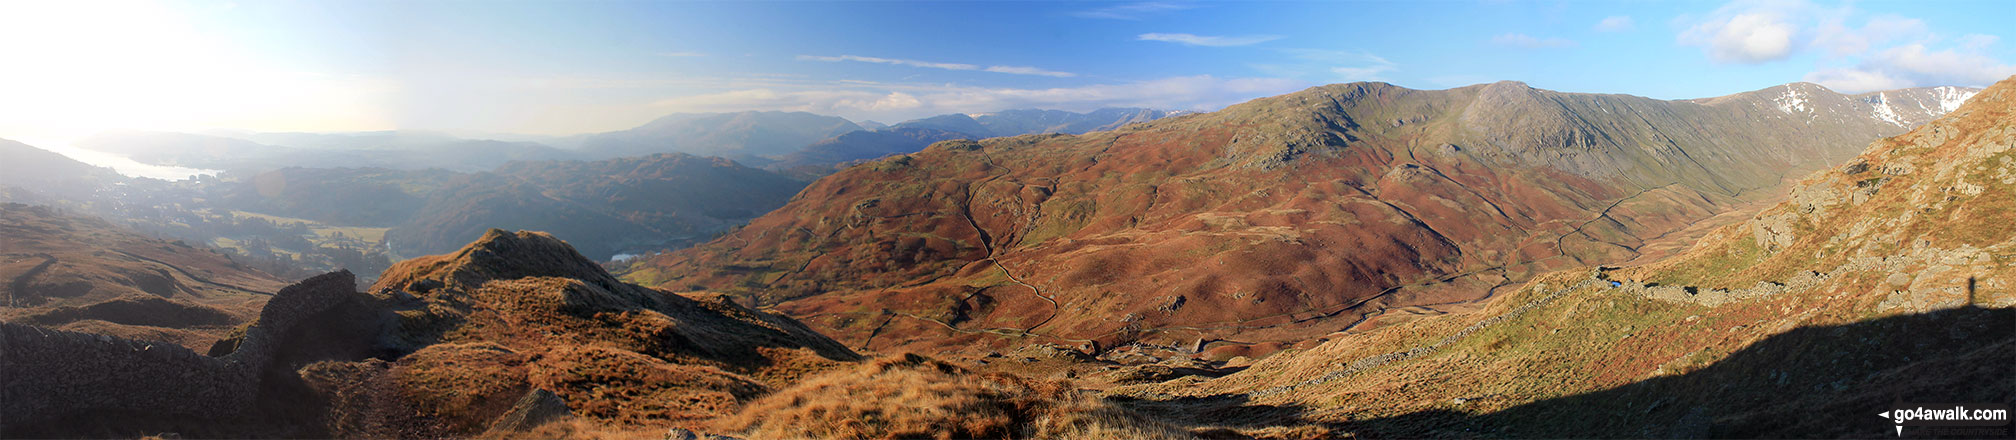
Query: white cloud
(1615, 23)
(911, 63)
(1856, 80)
(887, 101)
(1530, 42)
(1330, 65)
(1750, 38)
(1207, 40)
(1131, 11)
(1017, 70)
(1364, 73)
(1978, 41)
(1025, 70)
(1834, 36)
(1885, 51)
(1914, 65)
(1457, 80)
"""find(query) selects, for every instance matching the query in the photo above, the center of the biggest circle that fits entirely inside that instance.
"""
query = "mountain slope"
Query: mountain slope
(50, 174)
(1280, 219)
(339, 196)
(606, 207)
(911, 136)
(1884, 279)
(1036, 121)
(821, 157)
(84, 274)
(513, 331)
(744, 136)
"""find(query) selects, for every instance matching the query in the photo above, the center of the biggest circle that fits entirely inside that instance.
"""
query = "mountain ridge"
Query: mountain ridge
(1458, 192)
(1883, 278)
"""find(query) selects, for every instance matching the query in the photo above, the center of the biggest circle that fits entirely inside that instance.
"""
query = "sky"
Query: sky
(77, 67)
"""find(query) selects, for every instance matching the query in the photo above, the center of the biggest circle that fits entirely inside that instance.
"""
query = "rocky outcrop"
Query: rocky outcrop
(518, 330)
(52, 375)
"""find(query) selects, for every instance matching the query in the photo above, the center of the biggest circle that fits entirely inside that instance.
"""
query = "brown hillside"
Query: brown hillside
(518, 313)
(84, 274)
(1281, 219)
(512, 334)
(1888, 278)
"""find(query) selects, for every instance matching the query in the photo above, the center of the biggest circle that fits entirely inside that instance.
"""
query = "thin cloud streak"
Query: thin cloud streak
(1615, 23)
(1131, 11)
(1524, 41)
(1207, 40)
(1015, 70)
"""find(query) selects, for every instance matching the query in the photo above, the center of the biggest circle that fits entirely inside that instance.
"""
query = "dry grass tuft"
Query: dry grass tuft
(911, 396)
(613, 385)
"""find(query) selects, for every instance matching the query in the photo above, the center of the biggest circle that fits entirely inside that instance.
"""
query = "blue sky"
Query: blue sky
(585, 66)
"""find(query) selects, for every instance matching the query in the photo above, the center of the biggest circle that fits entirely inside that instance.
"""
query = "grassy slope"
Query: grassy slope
(1916, 308)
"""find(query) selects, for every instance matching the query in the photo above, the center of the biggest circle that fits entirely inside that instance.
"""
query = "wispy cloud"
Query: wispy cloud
(1330, 65)
(1457, 80)
(1615, 23)
(1016, 70)
(1131, 11)
(681, 54)
(1858, 52)
(1838, 39)
(1524, 41)
(900, 101)
(1209, 40)
(1914, 65)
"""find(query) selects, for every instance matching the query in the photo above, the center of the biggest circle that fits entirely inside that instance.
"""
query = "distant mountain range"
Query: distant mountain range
(636, 204)
(603, 208)
(745, 136)
(812, 143)
(807, 144)
(827, 155)
(400, 150)
(1318, 208)
(607, 207)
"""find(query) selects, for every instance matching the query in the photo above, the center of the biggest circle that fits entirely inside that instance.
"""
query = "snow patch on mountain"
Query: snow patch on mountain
(1951, 97)
(1792, 101)
(1881, 110)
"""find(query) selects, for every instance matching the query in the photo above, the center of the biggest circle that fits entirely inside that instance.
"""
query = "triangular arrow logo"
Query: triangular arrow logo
(1885, 414)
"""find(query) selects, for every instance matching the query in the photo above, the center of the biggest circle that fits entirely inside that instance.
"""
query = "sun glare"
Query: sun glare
(86, 67)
